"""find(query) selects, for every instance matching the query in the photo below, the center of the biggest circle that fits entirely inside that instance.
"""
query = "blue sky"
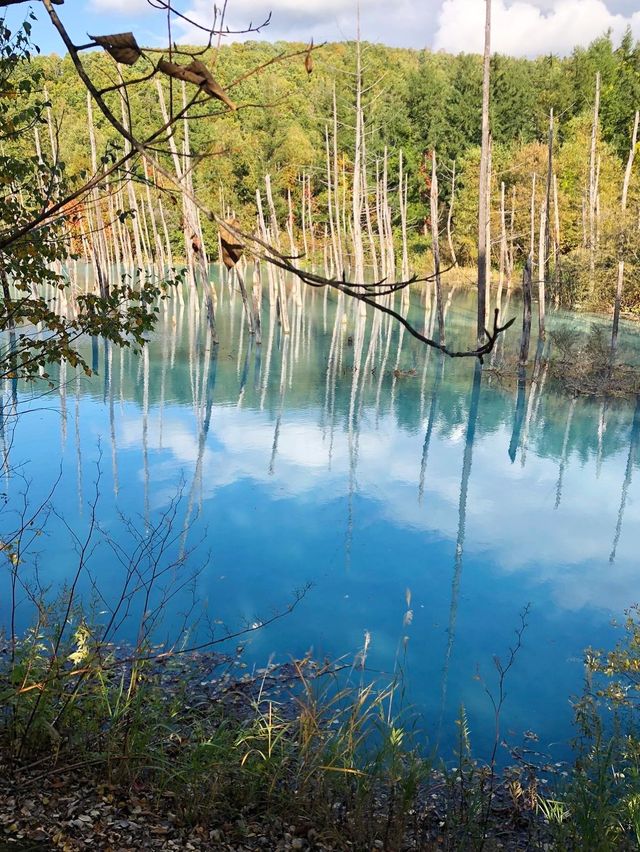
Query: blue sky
(521, 27)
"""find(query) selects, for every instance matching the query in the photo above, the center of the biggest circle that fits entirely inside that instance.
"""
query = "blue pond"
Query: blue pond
(349, 457)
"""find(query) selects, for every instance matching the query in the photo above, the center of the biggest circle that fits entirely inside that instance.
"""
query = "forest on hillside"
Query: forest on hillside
(289, 121)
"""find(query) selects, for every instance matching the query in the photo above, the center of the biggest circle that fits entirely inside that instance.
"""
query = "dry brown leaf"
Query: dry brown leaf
(198, 74)
(211, 85)
(122, 46)
(308, 59)
(179, 72)
(231, 248)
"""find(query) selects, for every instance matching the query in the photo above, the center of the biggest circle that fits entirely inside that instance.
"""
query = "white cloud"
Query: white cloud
(520, 27)
(569, 562)
(129, 7)
(408, 23)
(528, 28)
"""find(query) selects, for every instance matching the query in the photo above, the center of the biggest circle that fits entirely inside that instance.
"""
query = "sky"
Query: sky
(520, 27)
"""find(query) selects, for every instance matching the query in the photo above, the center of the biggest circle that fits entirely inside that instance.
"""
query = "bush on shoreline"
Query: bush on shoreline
(315, 747)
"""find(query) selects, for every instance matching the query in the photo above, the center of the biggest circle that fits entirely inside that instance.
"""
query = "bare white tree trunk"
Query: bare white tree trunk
(488, 240)
(593, 186)
(547, 218)
(435, 238)
(541, 268)
(532, 241)
(386, 212)
(336, 186)
(358, 166)
(275, 236)
(623, 209)
(556, 242)
(512, 220)
(503, 249)
(454, 259)
(484, 162)
(403, 219)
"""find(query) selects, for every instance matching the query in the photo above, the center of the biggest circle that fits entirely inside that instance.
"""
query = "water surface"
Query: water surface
(365, 469)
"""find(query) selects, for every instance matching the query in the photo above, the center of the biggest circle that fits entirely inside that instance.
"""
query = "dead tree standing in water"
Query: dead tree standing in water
(483, 248)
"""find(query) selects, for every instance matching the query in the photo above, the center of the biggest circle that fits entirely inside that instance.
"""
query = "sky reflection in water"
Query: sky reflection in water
(295, 468)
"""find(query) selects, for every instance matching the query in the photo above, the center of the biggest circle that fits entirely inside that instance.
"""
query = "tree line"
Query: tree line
(414, 103)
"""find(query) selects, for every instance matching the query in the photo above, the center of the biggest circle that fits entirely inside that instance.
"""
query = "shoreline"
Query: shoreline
(72, 804)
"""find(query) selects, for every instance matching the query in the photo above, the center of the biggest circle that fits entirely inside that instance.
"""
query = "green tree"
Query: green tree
(462, 109)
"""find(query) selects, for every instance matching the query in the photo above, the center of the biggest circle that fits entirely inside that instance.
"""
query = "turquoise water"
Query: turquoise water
(281, 465)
